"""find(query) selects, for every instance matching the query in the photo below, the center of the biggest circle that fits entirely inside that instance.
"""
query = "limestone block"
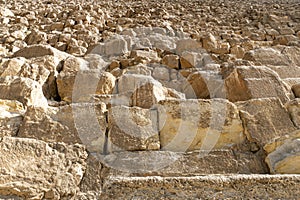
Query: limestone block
(25, 90)
(34, 169)
(251, 82)
(187, 125)
(11, 116)
(133, 128)
(265, 120)
(76, 123)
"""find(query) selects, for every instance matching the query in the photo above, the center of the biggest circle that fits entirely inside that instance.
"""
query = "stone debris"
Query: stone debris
(138, 99)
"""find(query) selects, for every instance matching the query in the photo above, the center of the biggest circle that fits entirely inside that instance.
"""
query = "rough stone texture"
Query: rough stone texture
(217, 186)
(196, 86)
(75, 123)
(285, 159)
(171, 61)
(293, 108)
(187, 125)
(77, 81)
(90, 57)
(11, 67)
(39, 51)
(168, 164)
(267, 56)
(54, 171)
(265, 120)
(92, 179)
(283, 154)
(143, 90)
(254, 82)
(25, 90)
(296, 90)
(132, 129)
(11, 116)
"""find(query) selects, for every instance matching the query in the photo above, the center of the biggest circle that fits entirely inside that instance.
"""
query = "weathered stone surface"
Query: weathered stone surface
(161, 73)
(201, 187)
(39, 51)
(209, 42)
(296, 90)
(116, 47)
(75, 123)
(285, 159)
(35, 37)
(265, 120)
(36, 69)
(193, 58)
(132, 38)
(185, 64)
(11, 67)
(187, 125)
(168, 164)
(76, 81)
(33, 169)
(267, 56)
(188, 45)
(238, 51)
(148, 94)
(132, 129)
(251, 82)
(92, 178)
(138, 69)
(11, 116)
(144, 91)
(293, 108)
(171, 61)
(196, 86)
(149, 55)
(51, 64)
(25, 90)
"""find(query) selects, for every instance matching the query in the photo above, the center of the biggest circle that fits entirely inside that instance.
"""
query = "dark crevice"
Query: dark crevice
(105, 146)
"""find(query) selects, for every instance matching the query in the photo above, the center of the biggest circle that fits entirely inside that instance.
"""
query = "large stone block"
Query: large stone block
(34, 169)
(267, 56)
(188, 45)
(284, 155)
(251, 82)
(11, 67)
(47, 63)
(76, 82)
(75, 123)
(170, 164)
(25, 90)
(115, 47)
(203, 187)
(40, 50)
(265, 120)
(187, 125)
(143, 91)
(133, 128)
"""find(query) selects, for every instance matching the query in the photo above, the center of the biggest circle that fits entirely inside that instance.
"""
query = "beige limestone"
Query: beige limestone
(171, 61)
(11, 116)
(75, 123)
(265, 120)
(132, 129)
(251, 82)
(25, 90)
(34, 169)
(187, 125)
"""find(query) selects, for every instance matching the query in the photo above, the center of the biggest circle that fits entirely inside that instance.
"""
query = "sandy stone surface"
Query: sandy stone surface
(149, 99)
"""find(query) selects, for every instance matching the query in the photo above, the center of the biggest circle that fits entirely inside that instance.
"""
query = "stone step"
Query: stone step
(168, 164)
(203, 187)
